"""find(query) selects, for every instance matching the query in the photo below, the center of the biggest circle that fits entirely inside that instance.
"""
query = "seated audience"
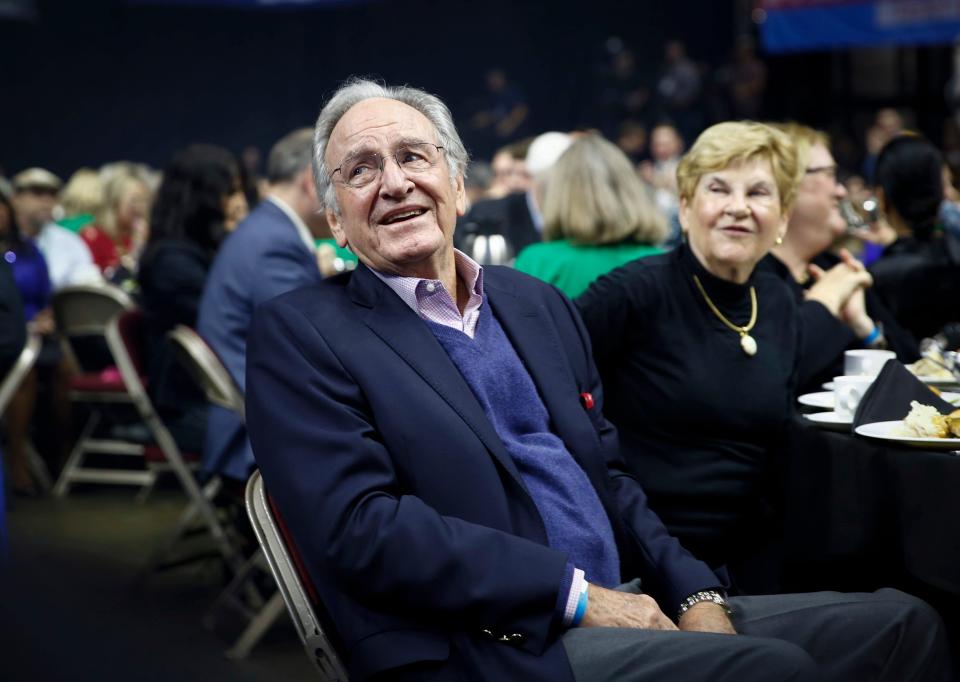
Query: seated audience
(597, 216)
(816, 224)
(29, 271)
(462, 513)
(187, 224)
(68, 258)
(12, 338)
(118, 234)
(270, 252)
(918, 275)
(81, 200)
(517, 216)
(699, 351)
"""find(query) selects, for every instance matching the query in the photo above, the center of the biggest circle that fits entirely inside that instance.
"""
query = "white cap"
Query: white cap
(545, 150)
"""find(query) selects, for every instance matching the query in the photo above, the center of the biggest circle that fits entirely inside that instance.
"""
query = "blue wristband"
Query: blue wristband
(581, 608)
(872, 336)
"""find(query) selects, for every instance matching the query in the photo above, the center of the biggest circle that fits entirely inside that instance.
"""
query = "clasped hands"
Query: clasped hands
(840, 289)
(613, 609)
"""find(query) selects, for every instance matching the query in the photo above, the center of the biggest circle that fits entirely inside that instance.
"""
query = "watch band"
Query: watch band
(704, 595)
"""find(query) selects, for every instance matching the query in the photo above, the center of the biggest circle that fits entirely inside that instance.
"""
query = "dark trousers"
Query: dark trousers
(886, 635)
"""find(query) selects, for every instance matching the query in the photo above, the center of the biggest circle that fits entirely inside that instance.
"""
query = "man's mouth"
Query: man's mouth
(399, 216)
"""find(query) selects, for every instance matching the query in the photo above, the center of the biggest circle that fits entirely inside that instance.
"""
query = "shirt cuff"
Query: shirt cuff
(573, 596)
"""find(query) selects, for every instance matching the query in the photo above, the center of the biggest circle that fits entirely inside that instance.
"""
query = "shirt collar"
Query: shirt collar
(469, 271)
(302, 230)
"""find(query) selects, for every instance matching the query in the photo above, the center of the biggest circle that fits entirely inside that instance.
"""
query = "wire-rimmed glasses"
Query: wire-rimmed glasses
(360, 170)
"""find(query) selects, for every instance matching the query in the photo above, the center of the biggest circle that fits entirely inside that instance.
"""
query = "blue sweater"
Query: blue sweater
(572, 513)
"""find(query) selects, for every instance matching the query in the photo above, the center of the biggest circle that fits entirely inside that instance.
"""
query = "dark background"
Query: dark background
(92, 81)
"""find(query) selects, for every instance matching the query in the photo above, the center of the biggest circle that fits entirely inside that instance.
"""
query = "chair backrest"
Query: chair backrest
(125, 338)
(292, 580)
(86, 309)
(206, 369)
(24, 363)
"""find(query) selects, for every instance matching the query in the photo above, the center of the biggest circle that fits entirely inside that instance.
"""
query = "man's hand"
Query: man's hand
(705, 617)
(612, 609)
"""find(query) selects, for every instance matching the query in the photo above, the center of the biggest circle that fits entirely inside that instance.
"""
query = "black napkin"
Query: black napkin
(888, 398)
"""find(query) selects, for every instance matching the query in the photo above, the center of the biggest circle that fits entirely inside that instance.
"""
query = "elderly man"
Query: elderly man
(68, 258)
(432, 433)
(270, 252)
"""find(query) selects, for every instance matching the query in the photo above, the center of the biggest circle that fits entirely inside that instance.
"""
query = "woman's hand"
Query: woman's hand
(877, 232)
(841, 289)
(42, 323)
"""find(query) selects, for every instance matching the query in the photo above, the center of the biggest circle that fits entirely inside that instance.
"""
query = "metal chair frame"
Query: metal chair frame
(11, 383)
(199, 498)
(86, 310)
(291, 587)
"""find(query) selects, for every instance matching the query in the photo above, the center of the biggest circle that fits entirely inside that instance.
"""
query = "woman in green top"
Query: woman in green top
(597, 216)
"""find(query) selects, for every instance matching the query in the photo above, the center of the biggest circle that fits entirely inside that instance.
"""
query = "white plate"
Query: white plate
(831, 420)
(938, 381)
(881, 431)
(822, 399)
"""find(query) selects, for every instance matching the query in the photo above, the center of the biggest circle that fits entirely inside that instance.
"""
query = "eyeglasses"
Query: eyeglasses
(829, 171)
(362, 169)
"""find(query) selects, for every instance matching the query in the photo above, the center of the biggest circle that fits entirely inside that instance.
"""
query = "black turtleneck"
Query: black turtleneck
(697, 417)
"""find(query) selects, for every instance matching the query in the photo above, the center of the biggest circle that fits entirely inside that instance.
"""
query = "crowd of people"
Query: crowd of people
(469, 456)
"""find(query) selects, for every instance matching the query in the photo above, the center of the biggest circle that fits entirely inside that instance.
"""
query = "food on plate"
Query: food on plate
(924, 367)
(923, 421)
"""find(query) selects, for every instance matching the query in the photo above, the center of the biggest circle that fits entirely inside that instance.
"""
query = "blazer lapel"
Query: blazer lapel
(400, 328)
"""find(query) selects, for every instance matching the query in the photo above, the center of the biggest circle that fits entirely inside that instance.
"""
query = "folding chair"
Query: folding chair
(295, 585)
(11, 382)
(83, 312)
(241, 594)
(125, 336)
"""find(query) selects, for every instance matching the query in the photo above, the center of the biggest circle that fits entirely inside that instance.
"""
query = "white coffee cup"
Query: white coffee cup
(847, 392)
(865, 362)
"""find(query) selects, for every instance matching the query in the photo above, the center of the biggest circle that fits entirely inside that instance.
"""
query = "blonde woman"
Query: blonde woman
(698, 351)
(597, 216)
(81, 200)
(121, 227)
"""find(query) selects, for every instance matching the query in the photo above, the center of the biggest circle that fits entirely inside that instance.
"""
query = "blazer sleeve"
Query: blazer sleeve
(336, 482)
(12, 326)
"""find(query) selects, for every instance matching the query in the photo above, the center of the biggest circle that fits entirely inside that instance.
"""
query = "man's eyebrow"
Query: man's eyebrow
(369, 148)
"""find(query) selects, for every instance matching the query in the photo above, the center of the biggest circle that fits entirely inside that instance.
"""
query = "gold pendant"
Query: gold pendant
(749, 344)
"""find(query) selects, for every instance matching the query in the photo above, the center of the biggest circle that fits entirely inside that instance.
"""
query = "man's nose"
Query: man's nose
(393, 181)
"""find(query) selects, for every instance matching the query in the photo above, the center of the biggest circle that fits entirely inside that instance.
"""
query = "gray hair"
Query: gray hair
(356, 90)
(290, 155)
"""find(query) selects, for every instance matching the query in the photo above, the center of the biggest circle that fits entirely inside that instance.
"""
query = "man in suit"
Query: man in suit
(432, 433)
(270, 252)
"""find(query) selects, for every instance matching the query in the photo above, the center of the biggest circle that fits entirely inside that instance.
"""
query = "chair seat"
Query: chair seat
(154, 455)
(107, 380)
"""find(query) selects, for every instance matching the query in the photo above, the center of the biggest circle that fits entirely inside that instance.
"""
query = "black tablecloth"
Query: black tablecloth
(859, 514)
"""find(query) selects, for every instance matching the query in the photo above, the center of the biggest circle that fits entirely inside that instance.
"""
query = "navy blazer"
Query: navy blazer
(412, 517)
(264, 257)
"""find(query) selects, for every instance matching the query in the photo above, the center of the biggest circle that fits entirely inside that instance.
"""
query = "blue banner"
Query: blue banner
(798, 25)
(248, 4)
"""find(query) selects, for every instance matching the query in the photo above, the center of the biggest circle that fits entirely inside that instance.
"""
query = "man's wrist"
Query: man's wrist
(710, 596)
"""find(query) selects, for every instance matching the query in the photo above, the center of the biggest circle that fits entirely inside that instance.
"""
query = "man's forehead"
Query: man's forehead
(377, 120)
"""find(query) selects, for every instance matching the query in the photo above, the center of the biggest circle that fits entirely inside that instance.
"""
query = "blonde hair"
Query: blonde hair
(804, 139)
(594, 196)
(118, 180)
(83, 193)
(734, 142)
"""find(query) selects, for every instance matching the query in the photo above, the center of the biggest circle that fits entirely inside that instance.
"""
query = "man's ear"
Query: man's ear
(336, 229)
(461, 195)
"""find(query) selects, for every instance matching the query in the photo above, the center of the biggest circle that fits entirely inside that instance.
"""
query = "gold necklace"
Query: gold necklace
(747, 342)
